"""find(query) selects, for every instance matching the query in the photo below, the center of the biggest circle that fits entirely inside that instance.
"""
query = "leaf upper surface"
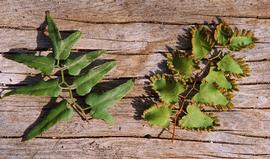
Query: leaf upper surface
(75, 66)
(158, 115)
(68, 43)
(61, 48)
(42, 88)
(196, 119)
(54, 36)
(85, 82)
(99, 103)
(41, 63)
(58, 113)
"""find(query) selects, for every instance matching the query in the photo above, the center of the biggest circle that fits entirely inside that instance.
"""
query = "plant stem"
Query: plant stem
(71, 100)
(185, 98)
(58, 63)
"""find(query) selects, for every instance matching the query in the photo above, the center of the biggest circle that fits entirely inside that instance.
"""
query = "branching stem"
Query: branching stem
(185, 98)
(71, 100)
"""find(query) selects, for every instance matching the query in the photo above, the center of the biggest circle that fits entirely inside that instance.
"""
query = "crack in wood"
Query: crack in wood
(136, 137)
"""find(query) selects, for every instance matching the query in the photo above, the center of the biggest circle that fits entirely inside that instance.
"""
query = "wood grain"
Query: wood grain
(135, 33)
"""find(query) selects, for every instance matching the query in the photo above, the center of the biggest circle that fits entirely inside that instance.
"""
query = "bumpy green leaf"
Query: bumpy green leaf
(202, 43)
(158, 115)
(41, 63)
(241, 39)
(167, 88)
(219, 78)
(99, 103)
(180, 65)
(61, 48)
(84, 83)
(229, 64)
(196, 119)
(208, 94)
(57, 114)
(42, 88)
(75, 66)
(223, 33)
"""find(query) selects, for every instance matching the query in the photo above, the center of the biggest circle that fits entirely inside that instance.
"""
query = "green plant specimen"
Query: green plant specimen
(199, 78)
(96, 104)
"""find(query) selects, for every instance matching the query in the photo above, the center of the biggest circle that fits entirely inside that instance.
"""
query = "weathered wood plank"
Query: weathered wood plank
(122, 147)
(126, 11)
(142, 28)
(117, 37)
(251, 108)
(128, 66)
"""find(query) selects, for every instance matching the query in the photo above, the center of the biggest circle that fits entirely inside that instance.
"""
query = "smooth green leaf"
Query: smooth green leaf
(41, 63)
(42, 88)
(181, 65)
(61, 48)
(75, 66)
(60, 112)
(241, 39)
(99, 103)
(219, 78)
(229, 64)
(84, 83)
(196, 119)
(223, 33)
(54, 36)
(68, 43)
(158, 115)
(208, 94)
(167, 88)
(202, 43)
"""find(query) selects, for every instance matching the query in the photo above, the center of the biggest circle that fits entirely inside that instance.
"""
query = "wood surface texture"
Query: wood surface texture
(135, 33)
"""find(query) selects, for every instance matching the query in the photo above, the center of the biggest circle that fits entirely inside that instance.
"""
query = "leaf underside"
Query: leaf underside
(42, 88)
(158, 115)
(41, 63)
(167, 88)
(84, 83)
(58, 113)
(196, 119)
(99, 103)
